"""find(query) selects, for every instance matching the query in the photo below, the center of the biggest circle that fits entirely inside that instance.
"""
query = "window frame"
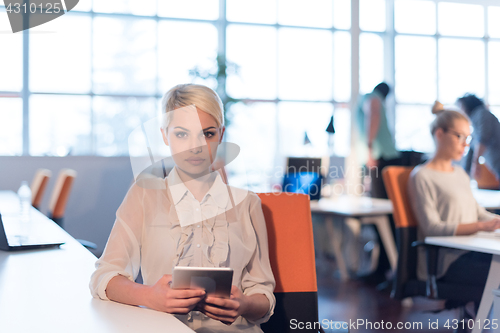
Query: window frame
(437, 37)
(222, 23)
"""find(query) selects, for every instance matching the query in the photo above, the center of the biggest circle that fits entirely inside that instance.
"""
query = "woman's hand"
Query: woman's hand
(251, 307)
(162, 297)
(226, 310)
(472, 228)
(491, 225)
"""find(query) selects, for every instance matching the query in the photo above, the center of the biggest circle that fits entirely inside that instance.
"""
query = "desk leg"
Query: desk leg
(335, 235)
(492, 283)
(384, 229)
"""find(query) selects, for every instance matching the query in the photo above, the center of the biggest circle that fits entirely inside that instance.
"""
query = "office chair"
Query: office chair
(59, 199)
(291, 252)
(60, 195)
(38, 186)
(406, 283)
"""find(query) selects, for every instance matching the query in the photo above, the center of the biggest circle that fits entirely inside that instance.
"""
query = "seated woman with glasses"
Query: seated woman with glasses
(443, 204)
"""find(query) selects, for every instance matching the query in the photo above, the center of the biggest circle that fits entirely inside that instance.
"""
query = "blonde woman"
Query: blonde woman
(443, 203)
(187, 223)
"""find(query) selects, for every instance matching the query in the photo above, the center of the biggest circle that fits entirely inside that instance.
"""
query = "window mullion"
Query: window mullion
(26, 90)
(486, 40)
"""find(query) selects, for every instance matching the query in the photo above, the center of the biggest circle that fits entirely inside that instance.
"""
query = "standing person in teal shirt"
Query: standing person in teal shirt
(376, 150)
(376, 145)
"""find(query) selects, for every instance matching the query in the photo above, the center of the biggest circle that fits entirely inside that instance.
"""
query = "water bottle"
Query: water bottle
(24, 194)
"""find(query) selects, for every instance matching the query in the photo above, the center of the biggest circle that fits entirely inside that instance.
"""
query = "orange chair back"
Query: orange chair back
(38, 186)
(291, 242)
(396, 184)
(487, 180)
(60, 193)
(405, 282)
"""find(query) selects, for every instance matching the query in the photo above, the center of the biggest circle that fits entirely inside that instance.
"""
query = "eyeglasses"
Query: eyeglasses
(461, 137)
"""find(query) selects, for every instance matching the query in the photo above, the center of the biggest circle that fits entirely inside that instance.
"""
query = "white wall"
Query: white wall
(98, 190)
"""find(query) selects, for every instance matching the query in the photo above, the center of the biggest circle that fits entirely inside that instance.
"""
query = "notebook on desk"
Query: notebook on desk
(17, 236)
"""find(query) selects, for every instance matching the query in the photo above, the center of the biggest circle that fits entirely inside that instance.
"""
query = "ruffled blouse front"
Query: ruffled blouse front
(202, 226)
(213, 246)
(158, 228)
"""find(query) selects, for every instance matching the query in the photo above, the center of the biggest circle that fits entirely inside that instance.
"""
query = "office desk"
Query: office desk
(364, 209)
(48, 290)
(488, 199)
(479, 244)
(375, 211)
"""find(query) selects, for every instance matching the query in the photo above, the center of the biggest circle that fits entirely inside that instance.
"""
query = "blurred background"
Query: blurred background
(73, 89)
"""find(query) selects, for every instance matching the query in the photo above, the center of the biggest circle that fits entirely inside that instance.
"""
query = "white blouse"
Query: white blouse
(160, 227)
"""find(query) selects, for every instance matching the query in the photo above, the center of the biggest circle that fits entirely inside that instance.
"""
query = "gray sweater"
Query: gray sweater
(441, 201)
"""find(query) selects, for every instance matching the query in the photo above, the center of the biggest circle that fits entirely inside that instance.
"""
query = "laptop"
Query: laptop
(27, 236)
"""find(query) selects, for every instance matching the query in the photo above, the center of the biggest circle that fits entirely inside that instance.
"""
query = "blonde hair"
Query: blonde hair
(202, 97)
(445, 118)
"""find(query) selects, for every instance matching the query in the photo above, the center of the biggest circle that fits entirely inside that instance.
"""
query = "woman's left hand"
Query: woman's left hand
(226, 310)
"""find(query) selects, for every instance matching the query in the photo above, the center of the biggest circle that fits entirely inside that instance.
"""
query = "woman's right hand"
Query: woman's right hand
(162, 297)
(490, 225)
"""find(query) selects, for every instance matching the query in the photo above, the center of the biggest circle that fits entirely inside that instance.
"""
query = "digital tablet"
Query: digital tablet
(215, 281)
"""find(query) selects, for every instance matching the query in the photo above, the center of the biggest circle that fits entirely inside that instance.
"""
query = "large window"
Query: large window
(99, 71)
(80, 84)
(293, 60)
(442, 51)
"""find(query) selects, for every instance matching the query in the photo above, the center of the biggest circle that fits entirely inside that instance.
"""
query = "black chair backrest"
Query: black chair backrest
(405, 283)
(292, 310)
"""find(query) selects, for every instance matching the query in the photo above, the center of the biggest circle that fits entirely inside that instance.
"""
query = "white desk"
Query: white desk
(364, 209)
(478, 244)
(487, 198)
(375, 211)
(48, 291)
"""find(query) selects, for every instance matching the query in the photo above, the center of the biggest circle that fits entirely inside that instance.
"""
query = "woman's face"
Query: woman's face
(193, 137)
(453, 141)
